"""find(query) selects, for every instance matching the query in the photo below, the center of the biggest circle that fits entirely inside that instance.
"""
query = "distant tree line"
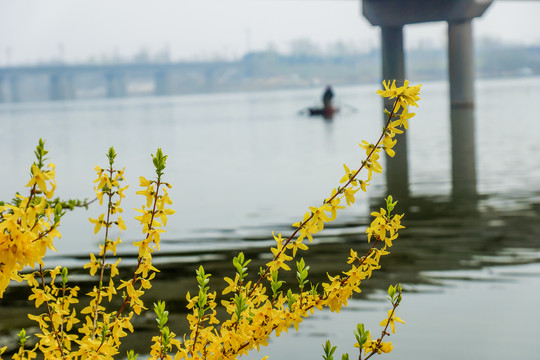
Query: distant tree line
(305, 64)
(348, 65)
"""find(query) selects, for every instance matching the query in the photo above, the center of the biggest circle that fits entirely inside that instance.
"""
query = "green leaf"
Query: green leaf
(111, 155)
(390, 204)
(391, 291)
(159, 162)
(131, 355)
(64, 274)
(291, 298)
(328, 350)
(22, 335)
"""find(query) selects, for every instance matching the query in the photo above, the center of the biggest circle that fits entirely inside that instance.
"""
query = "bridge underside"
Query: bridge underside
(403, 12)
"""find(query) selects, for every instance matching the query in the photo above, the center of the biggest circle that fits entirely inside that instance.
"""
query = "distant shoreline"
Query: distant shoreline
(257, 71)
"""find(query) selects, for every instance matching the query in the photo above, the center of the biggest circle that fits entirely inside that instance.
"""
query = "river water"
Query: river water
(244, 164)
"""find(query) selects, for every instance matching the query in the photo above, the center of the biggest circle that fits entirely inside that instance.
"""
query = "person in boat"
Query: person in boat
(327, 97)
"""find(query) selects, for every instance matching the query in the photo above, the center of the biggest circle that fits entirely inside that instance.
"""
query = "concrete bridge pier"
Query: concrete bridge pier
(61, 87)
(116, 85)
(391, 16)
(461, 77)
(163, 83)
(393, 67)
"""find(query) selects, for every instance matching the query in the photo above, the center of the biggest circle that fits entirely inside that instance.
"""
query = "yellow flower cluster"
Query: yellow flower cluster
(100, 327)
(405, 95)
(153, 216)
(56, 324)
(254, 314)
(29, 225)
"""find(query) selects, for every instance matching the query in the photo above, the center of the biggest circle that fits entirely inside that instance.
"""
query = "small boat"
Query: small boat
(326, 112)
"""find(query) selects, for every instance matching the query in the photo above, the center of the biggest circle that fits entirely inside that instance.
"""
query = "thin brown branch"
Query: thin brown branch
(384, 332)
(352, 178)
(139, 260)
(49, 313)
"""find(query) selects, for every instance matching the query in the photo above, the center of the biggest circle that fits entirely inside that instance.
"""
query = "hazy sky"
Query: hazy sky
(40, 30)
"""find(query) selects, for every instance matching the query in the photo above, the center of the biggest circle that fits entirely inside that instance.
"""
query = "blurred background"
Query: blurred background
(224, 88)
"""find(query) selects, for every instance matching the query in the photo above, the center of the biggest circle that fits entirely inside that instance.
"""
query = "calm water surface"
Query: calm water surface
(244, 164)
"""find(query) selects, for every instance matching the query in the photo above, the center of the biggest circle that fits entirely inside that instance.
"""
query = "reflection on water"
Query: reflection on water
(461, 275)
(475, 316)
(243, 163)
(251, 167)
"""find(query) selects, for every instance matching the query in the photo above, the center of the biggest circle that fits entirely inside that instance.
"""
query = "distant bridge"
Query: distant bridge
(62, 78)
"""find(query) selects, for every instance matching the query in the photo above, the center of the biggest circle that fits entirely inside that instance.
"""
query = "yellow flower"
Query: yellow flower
(388, 240)
(319, 213)
(349, 196)
(279, 260)
(388, 144)
(367, 146)
(40, 179)
(297, 244)
(353, 257)
(392, 318)
(143, 182)
(369, 345)
(393, 129)
(99, 222)
(162, 213)
(93, 264)
(348, 175)
(386, 347)
(304, 229)
(233, 284)
(99, 195)
(149, 193)
(405, 95)
(121, 224)
(39, 296)
(403, 117)
(410, 94)
(102, 180)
